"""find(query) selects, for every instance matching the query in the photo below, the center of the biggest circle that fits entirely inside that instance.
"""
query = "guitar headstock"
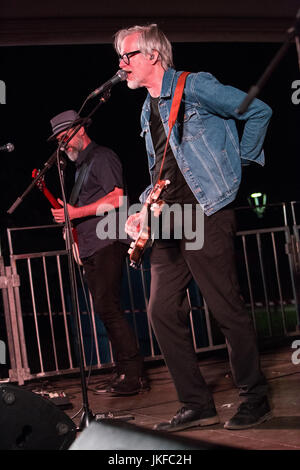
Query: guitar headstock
(41, 182)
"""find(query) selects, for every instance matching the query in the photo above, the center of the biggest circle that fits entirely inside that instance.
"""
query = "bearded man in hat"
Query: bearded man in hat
(102, 190)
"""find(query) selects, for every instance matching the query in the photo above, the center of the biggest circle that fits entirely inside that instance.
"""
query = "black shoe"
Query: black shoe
(187, 418)
(126, 385)
(104, 388)
(249, 414)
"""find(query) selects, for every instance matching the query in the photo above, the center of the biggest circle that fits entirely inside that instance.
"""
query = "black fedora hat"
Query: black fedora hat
(66, 120)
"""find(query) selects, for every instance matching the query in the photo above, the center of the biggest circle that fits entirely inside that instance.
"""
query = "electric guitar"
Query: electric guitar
(55, 204)
(144, 238)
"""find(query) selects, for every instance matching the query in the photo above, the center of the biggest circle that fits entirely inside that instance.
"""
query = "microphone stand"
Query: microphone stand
(87, 415)
(293, 33)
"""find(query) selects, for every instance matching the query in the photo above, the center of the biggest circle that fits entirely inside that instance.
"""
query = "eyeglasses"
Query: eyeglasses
(63, 136)
(126, 57)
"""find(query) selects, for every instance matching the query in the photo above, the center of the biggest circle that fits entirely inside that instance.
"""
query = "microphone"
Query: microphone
(7, 147)
(118, 77)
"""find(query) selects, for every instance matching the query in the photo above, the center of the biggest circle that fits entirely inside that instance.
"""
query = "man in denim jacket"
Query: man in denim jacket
(203, 164)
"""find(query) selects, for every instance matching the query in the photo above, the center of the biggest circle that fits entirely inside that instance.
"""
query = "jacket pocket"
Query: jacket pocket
(191, 126)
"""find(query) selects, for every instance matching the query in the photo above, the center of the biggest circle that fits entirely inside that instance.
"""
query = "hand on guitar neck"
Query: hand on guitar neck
(59, 213)
(57, 204)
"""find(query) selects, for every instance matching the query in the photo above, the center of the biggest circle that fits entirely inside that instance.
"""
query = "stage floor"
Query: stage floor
(160, 403)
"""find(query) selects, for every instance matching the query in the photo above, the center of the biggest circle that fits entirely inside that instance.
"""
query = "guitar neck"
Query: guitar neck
(51, 198)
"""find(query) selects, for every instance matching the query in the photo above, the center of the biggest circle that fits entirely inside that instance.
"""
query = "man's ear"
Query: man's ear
(154, 56)
(81, 130)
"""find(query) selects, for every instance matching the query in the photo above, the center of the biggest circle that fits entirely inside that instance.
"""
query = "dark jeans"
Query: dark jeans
(213, 269)
(103, 273)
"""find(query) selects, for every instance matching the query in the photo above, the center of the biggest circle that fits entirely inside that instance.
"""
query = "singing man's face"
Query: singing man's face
(139, 67)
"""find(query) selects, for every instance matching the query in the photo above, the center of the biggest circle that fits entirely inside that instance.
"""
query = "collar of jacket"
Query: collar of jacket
(168, 81)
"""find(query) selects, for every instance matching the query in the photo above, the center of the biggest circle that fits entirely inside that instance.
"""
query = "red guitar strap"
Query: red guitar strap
(173, 113)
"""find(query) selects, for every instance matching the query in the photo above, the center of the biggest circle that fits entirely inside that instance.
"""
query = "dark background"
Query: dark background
(42, 81)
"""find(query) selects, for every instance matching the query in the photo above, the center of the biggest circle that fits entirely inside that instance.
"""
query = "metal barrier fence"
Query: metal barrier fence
(37, 307)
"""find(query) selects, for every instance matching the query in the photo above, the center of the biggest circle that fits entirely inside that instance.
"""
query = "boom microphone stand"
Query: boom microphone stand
(292, 33)
(87, 415)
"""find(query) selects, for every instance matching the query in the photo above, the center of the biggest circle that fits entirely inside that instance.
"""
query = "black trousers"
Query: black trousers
(103, 274)
(213, 268)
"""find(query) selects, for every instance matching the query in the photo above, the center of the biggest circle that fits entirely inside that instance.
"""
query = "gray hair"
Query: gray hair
(150, 38)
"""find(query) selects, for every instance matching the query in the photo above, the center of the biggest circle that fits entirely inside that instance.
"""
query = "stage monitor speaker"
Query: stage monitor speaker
(31, 422)
(110, 435)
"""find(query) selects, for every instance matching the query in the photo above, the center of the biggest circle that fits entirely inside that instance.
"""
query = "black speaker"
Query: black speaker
(31, 422)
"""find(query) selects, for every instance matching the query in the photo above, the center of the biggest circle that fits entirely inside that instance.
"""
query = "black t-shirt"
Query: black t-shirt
(178, 190)
(104, 173)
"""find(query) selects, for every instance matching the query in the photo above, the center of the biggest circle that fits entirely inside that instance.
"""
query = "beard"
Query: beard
(133, 84)
(72, 154)
(76, 145)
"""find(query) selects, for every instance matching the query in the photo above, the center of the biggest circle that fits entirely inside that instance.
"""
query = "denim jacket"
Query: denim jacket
(205, 140)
